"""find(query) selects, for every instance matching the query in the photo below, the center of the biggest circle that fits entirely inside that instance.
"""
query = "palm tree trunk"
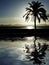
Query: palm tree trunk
(35, 31)
(35, 22)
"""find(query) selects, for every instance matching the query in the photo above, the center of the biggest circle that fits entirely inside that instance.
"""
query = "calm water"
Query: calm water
(12, 52)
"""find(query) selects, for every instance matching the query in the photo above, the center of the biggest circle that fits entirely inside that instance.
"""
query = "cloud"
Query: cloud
(14, 21)
(21, 22)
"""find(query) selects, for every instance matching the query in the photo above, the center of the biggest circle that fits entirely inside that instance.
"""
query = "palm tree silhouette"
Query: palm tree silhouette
(36, 10)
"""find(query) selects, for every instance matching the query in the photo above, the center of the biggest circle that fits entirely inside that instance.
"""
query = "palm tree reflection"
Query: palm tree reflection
(37, 11)
(37, 55)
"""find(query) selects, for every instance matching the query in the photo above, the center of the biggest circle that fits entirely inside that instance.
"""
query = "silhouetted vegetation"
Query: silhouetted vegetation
(37, 11)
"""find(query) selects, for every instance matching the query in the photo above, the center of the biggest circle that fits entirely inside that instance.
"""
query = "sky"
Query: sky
(12, 11)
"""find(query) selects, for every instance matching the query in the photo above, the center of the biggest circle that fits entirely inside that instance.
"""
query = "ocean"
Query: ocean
(12, 52)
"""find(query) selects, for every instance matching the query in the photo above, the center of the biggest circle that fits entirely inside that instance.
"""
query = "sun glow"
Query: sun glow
(30, 27)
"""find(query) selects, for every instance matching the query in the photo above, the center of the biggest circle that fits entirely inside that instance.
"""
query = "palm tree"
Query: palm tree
(36, 10)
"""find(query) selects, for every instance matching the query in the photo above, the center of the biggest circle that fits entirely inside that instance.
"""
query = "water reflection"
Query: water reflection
(12, 52)
(37, 55)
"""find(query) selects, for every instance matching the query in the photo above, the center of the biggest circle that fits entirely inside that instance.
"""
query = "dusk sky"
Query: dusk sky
(12, 11)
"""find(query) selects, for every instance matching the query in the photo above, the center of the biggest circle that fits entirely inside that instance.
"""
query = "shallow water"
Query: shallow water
(12, 52)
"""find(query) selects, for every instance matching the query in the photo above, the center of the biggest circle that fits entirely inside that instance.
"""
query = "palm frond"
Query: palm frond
(33, 2)
(31, 5)
(29, 9)
(38, 18)
(27, 17)
(26, 14)
(39, 3)
(42, 10)
(43, 16)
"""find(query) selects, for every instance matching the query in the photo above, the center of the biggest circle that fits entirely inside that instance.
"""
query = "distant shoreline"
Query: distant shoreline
(13, 32)
(22, 27)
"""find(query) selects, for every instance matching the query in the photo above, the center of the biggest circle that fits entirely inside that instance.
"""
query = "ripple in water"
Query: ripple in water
(12, 53)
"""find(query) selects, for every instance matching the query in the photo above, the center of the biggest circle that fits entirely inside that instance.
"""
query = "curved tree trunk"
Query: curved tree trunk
(35, 31)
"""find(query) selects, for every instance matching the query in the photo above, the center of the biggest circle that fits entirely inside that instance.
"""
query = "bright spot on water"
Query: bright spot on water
(13, 52)
(30, 27)
(29, 38)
